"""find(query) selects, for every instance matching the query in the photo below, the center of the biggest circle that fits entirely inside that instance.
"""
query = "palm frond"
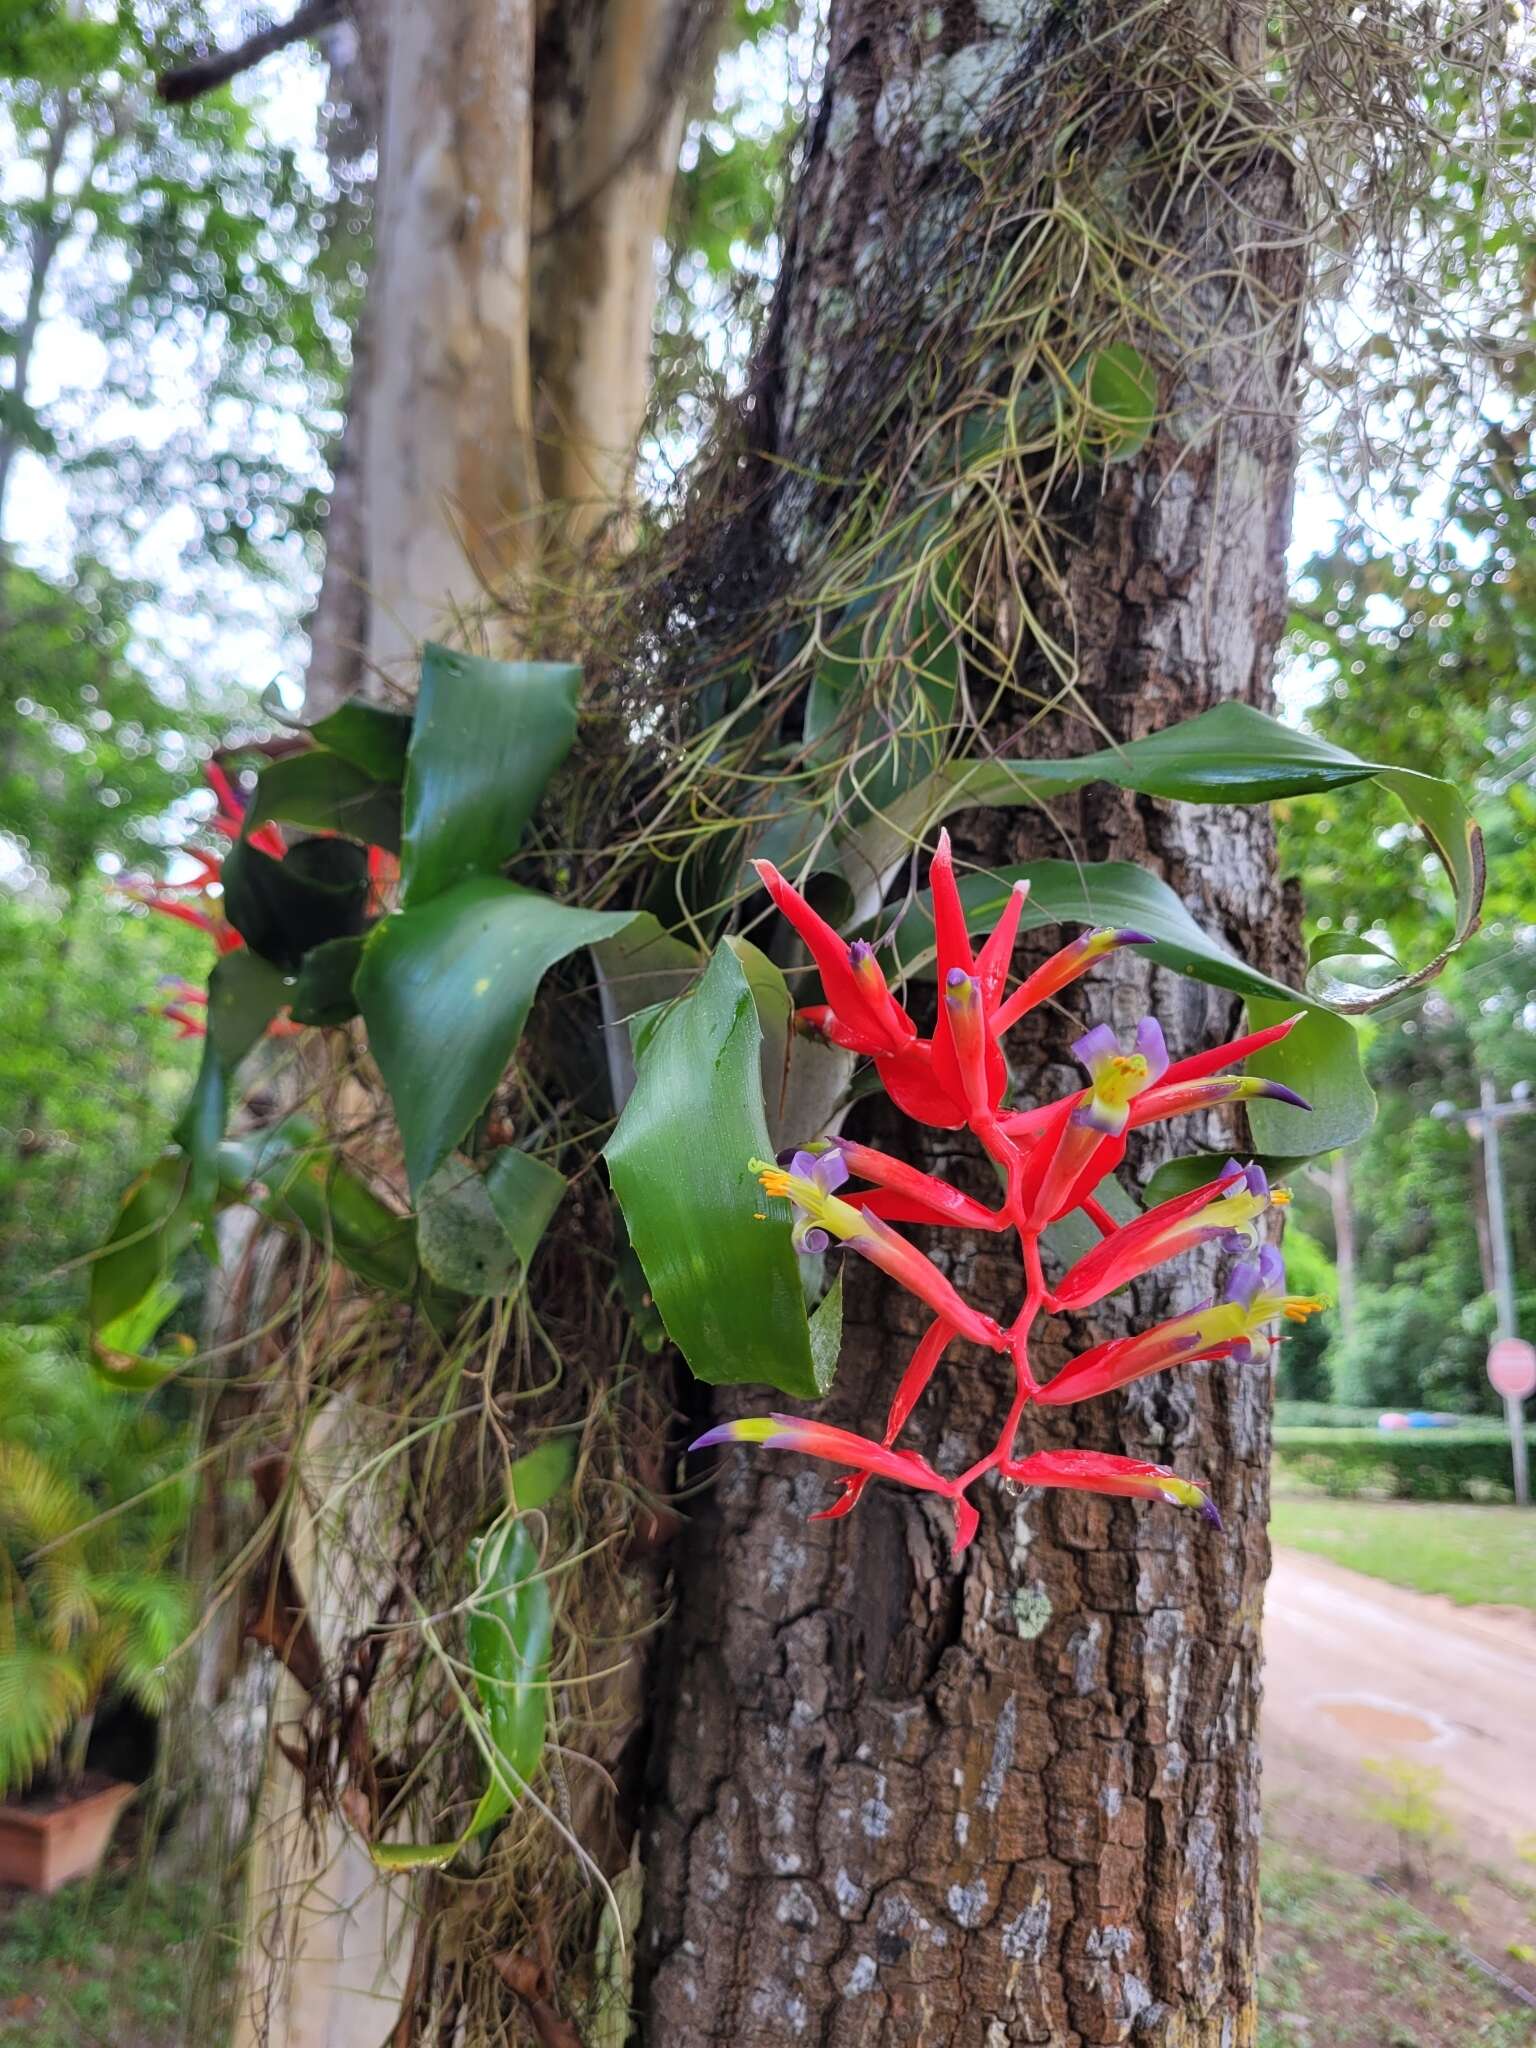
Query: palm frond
(41, 1692)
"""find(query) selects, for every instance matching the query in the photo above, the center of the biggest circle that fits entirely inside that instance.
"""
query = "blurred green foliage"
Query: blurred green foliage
(1428, 661)
(1470, 1462)
(94, 1496)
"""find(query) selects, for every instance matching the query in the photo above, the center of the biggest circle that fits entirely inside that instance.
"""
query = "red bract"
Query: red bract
(1050, 1161)
(199, 901)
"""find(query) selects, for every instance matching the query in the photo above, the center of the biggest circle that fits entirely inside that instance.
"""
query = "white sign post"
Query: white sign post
(1512, 1370)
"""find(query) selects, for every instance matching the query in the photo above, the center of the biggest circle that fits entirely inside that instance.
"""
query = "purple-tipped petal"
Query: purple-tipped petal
(1152, 1046)
(1278, 1092)
(1257, 1180)
(1210, 1512)
(1243, 1282)
(1098, 1044)
(1271, 1270)
(720, 1434)
(1124, 937)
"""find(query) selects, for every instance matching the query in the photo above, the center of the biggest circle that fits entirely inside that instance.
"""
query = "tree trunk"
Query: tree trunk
(42, 246)
(1342, 1201)
(527, 155)
(1016, 1801)
(489, 423)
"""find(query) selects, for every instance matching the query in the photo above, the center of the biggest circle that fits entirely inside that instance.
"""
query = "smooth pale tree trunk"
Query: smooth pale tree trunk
(527, 157)
(527, 154)
(894, 1801)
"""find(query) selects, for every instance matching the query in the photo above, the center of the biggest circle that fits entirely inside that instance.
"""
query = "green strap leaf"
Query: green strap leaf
(1232, 754)
(525, 1193)
(511, 1629)
(1121, 388)
(322, 991)
(537, 1476)
(329, 793)
(281, 908)
(487, 737)
(477, 1234)
(154, 1226)
(445, 988)
(727, 1282)
(245, 993)
(368, 736)
(295, 1177)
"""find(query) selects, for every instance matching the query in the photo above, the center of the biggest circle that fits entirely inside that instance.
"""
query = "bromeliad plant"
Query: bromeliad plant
(1051, 1161)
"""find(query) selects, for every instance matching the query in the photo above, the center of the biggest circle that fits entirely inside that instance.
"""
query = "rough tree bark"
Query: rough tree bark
(894, 1801)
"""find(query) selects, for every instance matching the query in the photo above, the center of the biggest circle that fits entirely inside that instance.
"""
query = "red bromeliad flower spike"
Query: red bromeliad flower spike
(199, 901)
(1050, 1160)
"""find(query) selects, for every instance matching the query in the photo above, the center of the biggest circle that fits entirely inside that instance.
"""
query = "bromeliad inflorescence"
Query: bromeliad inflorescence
(1051, 1161)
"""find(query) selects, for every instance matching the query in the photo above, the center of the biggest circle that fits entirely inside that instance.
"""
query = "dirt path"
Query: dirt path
(1355, 1668)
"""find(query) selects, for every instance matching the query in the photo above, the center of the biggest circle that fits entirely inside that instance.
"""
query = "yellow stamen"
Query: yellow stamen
(1297, 1307)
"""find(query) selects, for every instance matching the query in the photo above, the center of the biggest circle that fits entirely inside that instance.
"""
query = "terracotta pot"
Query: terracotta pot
(45, 1842)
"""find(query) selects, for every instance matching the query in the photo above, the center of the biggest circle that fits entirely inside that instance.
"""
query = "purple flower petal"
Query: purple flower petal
(1152, 1046)
(1098, 1044)
(1243, 1283)
(1278, 1092)
(720, 1434)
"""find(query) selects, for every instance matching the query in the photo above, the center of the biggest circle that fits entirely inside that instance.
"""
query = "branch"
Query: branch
(191, 81)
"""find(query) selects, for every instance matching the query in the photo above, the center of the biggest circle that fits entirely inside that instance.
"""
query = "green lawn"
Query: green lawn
(1346, 1967)
(108, 1964)
(1469, 1553)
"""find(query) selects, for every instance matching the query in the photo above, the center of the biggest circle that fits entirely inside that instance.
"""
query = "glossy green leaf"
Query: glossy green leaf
(477, 1234)
(245, 993)
(154, 1226)
(727, 1284)
(294, 1175)
(330, 794)
(525, 1193)
(199, 1130)
(804, 1080)
(511, 1629)
(1321, 1061)
(487, 737)
(322, 991)
(281, 908)
(445, 988)
(459, 1235)
(120, 1353)
(1232, 754)
(1341, 964)
(1121, 387)
(367, 735)
(638, 969)
(537, 1476)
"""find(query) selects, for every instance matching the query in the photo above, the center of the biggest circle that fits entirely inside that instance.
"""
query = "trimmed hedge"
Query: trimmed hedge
(1468, 1463)
(1322, 1415)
